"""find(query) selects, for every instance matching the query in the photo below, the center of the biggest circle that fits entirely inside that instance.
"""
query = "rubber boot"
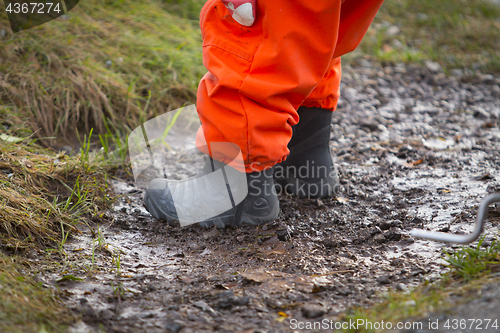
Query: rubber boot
(260, 204)
(309, 171)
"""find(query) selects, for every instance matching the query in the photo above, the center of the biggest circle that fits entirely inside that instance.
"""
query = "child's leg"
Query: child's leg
(259, 75)
(309, 170)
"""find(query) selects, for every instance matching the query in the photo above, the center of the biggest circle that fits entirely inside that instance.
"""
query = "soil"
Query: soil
(415, 149)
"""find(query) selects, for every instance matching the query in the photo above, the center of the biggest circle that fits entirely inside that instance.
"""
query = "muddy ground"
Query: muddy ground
(415, 149)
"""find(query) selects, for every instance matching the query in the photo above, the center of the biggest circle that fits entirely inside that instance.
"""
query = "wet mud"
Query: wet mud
(415, 149)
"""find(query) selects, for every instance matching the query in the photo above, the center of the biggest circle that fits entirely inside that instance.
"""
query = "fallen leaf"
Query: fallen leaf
(342, 200)
(484, 176)
(273, 246)
(257, 275)
(387, 48)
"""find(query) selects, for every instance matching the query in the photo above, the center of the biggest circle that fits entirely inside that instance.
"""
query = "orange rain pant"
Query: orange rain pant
(260, 75)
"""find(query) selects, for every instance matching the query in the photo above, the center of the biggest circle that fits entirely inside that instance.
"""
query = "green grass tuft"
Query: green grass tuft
(470, 263)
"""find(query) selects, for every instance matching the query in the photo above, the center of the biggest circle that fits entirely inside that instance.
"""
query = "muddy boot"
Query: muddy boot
(219, 195)
(309, 171)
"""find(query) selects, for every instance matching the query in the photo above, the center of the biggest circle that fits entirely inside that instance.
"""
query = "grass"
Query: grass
(99, 62)
(469, 263)
(45, 194)
(25, 305)
(457, 34)
(470, 268)
(44, 197)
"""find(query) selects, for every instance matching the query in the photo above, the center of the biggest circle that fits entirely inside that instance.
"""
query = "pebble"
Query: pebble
(487, 78)
(312, 310)
(392, 31)
(384, 279)
(433, 66)
(173, 326)
(379, 238)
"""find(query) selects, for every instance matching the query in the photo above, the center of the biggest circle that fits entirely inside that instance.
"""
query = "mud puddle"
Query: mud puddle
(415, 150)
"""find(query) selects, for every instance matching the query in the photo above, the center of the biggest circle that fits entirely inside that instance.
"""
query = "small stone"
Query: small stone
(384, 279)
(410, 303)
(173, 326)
(405, 148)
(399, 287)
(457, 72)
(312, 310)
(392, 31)
(396, 43)
(481, 114)
(433, 66)
(106, 314)
(487, 78)
(379, 238)
(204, 306)
(370, 124)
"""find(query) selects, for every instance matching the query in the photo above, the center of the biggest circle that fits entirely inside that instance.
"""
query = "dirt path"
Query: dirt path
(414, 149)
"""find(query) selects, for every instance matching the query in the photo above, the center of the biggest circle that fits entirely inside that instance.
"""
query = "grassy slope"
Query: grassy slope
(100, 60)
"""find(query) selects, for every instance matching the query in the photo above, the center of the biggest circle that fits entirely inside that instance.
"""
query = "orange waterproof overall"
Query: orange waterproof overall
(260, 75)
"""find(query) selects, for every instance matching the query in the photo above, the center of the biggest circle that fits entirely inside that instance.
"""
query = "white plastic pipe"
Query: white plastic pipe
(461, 239)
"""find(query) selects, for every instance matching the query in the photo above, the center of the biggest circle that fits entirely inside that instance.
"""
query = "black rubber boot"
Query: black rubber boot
(259, 206)
(309, 171)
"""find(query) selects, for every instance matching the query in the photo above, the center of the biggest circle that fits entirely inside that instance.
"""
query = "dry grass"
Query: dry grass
(43, 195)
(99, 61)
